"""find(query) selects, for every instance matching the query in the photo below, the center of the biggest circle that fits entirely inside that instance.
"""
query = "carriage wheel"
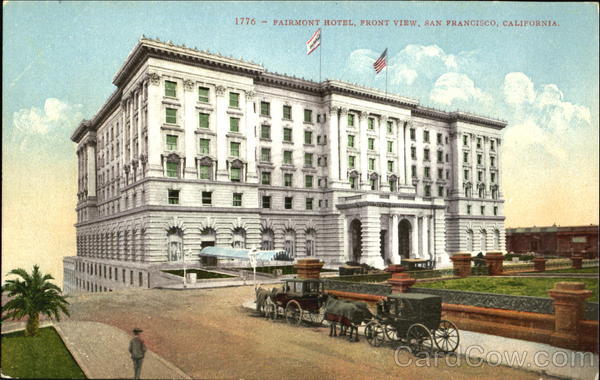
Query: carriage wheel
(446, 336)
(374, 333)
(391, 333)
(293, 313)
(419, 339)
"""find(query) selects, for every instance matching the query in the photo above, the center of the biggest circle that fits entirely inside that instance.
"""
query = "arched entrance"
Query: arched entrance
(404, 229)
(355, 240)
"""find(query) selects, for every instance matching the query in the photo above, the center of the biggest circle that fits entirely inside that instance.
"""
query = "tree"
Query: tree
(32, 296)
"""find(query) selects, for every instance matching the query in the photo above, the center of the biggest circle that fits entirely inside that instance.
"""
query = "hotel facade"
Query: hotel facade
(195, 149)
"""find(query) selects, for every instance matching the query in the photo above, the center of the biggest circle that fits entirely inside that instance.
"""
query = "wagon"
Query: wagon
(300, 299)
(414, 319)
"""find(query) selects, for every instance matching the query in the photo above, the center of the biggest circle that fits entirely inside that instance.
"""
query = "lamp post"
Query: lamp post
(253, 262)
(189, 251)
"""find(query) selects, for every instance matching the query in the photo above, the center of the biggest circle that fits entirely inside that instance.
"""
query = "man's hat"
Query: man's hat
(136, 330)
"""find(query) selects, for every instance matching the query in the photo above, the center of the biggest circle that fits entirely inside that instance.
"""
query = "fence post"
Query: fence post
(401, 282)
(462, 264)
(539, 264)
(309, 268)
(569, 298)
(495, 262)
(576, 260)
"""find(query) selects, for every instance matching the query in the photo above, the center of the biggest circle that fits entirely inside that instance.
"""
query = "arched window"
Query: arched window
(289, 243)
(267, 240)
(374, 181)
(496, 239)
(483, 241)
(469, 240)
(481, 191)
(175, 244)
(353, 178)
(468, 192)
(239, 238)
(393, 180)
(311, 237)
(205, 168)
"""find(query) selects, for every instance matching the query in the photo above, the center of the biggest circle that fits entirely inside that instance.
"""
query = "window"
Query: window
(492, 161)
(234, 99)
(481, 192)
(206, 198)
(308, 181)
(266, 201)
(287, 157)
(237, 199)
(309, 203)
(426, 136)
(353, 182)
(203, 94)
(468, 209)
(172, 169)
(392, 185)
(265, 108)
(439, 138)
(426, 172)
(426, 154)
(466, 172)
(287, 203)
(203, 120)
(440, 191)
(171, 116)
(351, 141)
(234, 124)
(413, 170)
(493, 177)
(351, 120)
(479, 143)
(440, 173)
(390, 147)
(265, 131)
(308, 159)
(465, 157)
(265, 155)
(465, 140)
(234, 149)
(482, 210)
(171, 142)
(204, 146)
(412, 134)
(447, 158)
(492, 145)
(371, 164)
(440, 156)
(373, 183)
(205, 171)
(307, 137)
(235, 174)
(288, 179)
(287, 112)
(371, 143)
(287, 134)
(173, 198)
(413, 152)
(479, 176)
(427, 190)
(371, 123)
(351, 161)
(390, 166)
(390, 127)
(170, 88)
(495, 210)
(479, 159)
(308, 116)
(265, 178)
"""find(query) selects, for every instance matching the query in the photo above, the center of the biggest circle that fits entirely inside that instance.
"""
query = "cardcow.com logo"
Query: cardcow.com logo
(476, 356)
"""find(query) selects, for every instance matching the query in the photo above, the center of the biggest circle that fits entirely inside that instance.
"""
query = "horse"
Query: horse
(349, 314)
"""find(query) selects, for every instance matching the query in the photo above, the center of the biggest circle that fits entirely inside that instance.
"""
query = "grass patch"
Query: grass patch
(200, 274)
(535, 287)
(42, 357)
(286, 269)
(573, 270)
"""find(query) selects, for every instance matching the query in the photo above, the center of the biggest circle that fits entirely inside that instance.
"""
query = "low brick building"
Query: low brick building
(554, 240)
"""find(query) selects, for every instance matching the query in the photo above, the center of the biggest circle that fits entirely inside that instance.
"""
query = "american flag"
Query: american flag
(314, 42)
(380, 64)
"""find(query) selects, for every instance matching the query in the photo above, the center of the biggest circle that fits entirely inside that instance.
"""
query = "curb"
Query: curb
(75, 355)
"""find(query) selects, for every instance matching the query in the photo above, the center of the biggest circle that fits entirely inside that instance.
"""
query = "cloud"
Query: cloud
(40, 128)
(454, 87)
(518, 89)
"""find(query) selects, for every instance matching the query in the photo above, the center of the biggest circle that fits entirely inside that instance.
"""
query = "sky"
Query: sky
(60, 59)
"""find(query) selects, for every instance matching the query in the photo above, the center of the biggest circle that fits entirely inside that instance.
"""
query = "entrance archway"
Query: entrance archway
(404, 229)
(355, 240)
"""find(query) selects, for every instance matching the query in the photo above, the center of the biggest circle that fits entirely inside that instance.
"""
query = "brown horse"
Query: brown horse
(348, 314)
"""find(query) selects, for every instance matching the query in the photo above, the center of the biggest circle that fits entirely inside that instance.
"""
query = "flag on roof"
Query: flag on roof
(380, 63)
(314, 42)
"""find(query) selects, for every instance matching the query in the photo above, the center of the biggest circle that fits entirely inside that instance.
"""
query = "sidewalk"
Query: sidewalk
(496, 350)
(220, 284)
(102, 351)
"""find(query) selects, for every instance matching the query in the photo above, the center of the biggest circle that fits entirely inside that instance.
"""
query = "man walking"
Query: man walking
(137, 349)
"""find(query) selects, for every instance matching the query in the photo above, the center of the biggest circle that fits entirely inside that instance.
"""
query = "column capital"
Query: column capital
(220, 90)
(188, 84)
(334, 110)
(250, 95)
(344, 111)
(363, 115)
(153, 78)
(383, 118)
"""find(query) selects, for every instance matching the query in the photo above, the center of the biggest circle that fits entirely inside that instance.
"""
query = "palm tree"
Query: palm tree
(31, 297)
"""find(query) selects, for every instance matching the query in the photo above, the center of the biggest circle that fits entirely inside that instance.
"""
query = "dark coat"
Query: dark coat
(137, 348)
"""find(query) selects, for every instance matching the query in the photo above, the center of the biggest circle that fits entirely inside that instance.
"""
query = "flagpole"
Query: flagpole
(386, 70)
(320, 50)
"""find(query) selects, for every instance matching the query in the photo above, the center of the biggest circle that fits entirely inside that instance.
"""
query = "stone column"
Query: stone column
(414, 246)
(401, 282)
(494, 261)
(251, 126)
(333, 143)
(370, 242)
(155, 120)
(190, 124)
(91, 166)
(569, 298)
(425, 237)
(499, 171)
(576, 260)
(343, 122)
(363, 148)
(400, 153)
(407, 160)
(539, 264)
(462, 264)
(309, 268)
(222, 130)
(383, 174)
(395, 242)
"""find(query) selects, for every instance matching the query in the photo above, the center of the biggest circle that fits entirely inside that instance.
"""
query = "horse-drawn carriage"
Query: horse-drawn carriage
(298, 300)
(415, 319)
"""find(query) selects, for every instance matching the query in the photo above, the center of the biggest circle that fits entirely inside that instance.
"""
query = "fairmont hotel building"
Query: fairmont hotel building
(195, 149)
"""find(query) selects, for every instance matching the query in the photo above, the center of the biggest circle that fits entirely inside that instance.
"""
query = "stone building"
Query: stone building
(554, 240)
(195, 149)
